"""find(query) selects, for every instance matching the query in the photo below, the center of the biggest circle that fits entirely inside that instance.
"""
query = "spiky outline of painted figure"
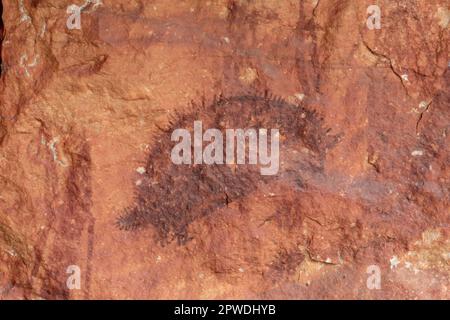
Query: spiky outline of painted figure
(170, 197)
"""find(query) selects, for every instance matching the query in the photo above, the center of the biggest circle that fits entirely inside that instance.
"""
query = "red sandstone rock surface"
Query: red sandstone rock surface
(79, 111)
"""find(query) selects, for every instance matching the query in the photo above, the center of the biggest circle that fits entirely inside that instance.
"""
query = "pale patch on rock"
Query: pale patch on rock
(430, 251)
(24, 16)
(35, 61)
(300, 96)
(52, 146)
(43, 30)
(417, 153)
(423, 105)
(394, 262)
(11, 252)
(144, 147)
(141, 170)
(431, 235)
(308, 270)
(94, 3)
(443, 14)
(223, 13)
(22, 62)
(248, 75)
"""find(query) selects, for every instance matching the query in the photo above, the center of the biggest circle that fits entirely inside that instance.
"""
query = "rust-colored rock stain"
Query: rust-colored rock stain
(85, 122)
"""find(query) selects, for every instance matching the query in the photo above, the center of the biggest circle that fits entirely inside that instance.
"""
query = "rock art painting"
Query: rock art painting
(224, 149)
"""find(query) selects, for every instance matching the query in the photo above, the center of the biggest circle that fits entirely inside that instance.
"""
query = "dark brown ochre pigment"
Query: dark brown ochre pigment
(170, 197)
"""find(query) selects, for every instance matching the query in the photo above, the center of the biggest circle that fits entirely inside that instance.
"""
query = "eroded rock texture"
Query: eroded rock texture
(80, 112)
